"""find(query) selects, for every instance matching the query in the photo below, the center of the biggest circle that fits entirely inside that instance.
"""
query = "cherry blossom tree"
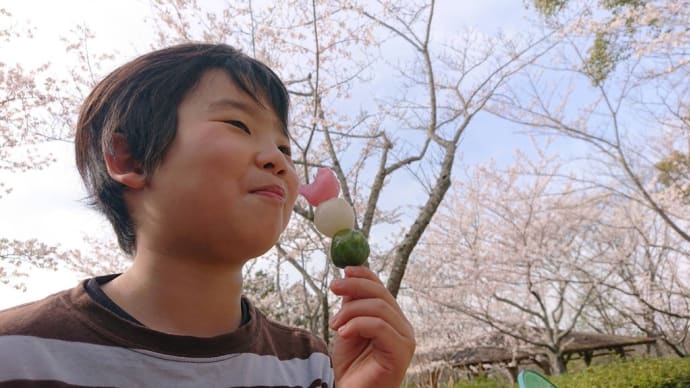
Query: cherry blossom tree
(330, 53)
(621, 91)
(22, 100)
(512, 250)
(648, 289)
(38, 106)
(633, 114)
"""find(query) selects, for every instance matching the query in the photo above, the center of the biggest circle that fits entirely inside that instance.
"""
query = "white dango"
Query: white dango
(334, 215)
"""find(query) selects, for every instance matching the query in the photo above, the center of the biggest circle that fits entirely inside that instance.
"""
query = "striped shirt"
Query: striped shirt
(68, 340)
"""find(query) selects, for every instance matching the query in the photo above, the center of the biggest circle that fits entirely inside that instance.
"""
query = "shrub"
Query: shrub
(640, 373)
(482, 382)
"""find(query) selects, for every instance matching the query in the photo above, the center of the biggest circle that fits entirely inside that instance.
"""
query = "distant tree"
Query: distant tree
(620, 30)
(38, 106)
(649, 288)
(23, 99)
(293, 305)
(512, 249)
(674, 173)
(618, 85)
(634, 119)
(18, 257)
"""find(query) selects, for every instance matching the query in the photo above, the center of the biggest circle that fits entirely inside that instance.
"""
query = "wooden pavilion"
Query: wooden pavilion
(478, 360)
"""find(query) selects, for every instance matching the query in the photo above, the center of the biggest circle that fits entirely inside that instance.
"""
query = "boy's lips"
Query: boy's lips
(271, 191)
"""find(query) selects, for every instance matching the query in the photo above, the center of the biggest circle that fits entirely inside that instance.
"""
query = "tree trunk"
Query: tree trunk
(557, 364)
(587, 356)
(325, 317)
(404, 250)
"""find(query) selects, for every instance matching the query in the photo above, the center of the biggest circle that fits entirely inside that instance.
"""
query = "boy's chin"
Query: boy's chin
(261, 247)
(249, 245)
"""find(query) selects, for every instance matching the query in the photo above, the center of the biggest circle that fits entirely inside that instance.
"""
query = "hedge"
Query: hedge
(667, 372)
(640, 373)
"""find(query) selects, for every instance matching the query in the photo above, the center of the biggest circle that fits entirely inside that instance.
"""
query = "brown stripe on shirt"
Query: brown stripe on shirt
(72, 315)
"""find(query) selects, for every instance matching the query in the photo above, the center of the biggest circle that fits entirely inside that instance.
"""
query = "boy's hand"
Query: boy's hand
(375, 342)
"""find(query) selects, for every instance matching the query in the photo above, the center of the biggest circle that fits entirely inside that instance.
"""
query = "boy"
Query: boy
(186, 152)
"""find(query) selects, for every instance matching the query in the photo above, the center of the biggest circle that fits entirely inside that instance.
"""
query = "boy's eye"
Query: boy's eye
(286, 150)
(239, 125)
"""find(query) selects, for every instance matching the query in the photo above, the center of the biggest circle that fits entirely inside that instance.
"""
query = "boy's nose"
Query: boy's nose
(272, 159)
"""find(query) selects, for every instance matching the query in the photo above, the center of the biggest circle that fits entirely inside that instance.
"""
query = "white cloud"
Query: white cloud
(40, 284)
(118, 26)
(49, 203)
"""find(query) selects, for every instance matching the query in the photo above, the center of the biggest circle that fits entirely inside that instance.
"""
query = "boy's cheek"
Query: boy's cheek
(293, 184)
(288, 216)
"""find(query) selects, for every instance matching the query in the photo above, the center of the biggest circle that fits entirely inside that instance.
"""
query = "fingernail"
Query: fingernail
(337, 283)
(353, 270)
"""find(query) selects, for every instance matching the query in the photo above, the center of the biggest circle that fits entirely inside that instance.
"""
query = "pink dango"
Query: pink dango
(325, 186)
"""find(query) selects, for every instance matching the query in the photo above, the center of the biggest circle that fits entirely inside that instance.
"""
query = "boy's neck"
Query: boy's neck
(180, 296)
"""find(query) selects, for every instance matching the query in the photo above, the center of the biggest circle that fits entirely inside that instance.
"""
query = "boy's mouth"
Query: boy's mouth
(271, 191)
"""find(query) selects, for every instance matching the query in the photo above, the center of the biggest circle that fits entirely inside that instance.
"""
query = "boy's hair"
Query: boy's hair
(139, 100)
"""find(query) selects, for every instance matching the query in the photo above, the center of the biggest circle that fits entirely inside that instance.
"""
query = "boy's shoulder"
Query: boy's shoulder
(36, 318)
(290, 342)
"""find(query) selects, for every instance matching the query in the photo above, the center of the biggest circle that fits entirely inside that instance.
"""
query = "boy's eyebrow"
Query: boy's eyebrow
(225, 103)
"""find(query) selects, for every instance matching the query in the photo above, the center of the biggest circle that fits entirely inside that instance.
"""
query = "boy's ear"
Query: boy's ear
(121, 166)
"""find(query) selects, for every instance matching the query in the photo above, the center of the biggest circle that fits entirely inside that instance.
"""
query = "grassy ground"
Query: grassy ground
(667, 372)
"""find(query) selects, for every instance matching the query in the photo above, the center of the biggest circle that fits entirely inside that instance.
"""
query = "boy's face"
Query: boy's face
(226, 186)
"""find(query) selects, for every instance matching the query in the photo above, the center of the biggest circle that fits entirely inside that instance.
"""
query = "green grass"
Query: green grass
(641, 373)
(638, 373)
(485, 383)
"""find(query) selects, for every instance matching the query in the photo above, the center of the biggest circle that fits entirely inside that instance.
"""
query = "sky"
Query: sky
(49, 204)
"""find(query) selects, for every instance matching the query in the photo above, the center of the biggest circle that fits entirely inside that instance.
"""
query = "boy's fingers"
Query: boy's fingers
(354, 288)
(376, 308)
(362, 272)
(361, 284)
(383, 336)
